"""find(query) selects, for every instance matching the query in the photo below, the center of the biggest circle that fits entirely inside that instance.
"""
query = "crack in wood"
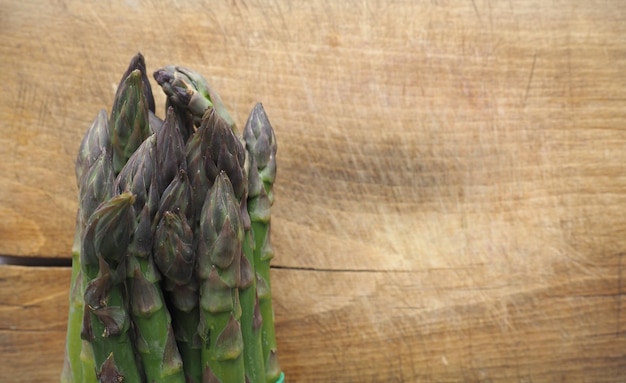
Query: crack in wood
(328, 270)
(619, 296)
(35, 261)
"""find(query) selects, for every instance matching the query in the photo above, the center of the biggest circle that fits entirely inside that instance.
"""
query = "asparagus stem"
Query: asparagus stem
(261, 146)
(87, 361)
(185, 297)
(173, 245)
(157, 345)
(188, 341)
(72, 368)
(94, 179)
(262, 262)
(173, 252)
(213, 147)
(227, 153)
(251, 318)
(183, 304)
(105, 320)
(107, 343)
(155, 335)
(219, 255)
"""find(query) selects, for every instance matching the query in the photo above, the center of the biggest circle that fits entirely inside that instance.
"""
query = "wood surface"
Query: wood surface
(451, 187)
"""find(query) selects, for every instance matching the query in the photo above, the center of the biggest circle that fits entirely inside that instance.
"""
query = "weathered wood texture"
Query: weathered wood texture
(376, 327)
(452, 175)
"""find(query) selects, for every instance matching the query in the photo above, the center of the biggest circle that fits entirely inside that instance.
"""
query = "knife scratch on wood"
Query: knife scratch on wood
(530, 79)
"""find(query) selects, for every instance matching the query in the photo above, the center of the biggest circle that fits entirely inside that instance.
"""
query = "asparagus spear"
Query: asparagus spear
(95, 141)
(173, 251)
(226, 153)
(261, 145)
(170, 156)
(251, 320)
(72, 366)
(185, 297)
(139, 63)
(175, 257)
(173, 245)
(105, 320)
(200, 184)
(213, 149)
(129, 122)
(155, 337)
(97, 188)
(219, 249)
(188, 89)
(184, 119)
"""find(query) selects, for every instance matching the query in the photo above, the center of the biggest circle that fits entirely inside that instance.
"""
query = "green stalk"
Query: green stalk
(82, 364)
(94, 179)
(184, 297)
(114, 338)
(202, 150)
(173, 249)
(105, 321)
(72, 368)
(219, 255)
(156, 343)
(155, 335)
(261, 146)
(226, 153)
(262, 262)
(188, 340)
(251, 318)
(174, 255)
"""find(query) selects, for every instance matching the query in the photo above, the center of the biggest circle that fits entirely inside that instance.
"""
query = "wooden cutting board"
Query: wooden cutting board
(451, 193)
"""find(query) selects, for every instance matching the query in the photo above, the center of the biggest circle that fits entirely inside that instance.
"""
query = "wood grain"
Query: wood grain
(33, 320)
(451, 185)
(345, 326)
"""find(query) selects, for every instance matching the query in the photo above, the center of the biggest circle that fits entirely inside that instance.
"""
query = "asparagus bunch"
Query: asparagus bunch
(170, 262)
